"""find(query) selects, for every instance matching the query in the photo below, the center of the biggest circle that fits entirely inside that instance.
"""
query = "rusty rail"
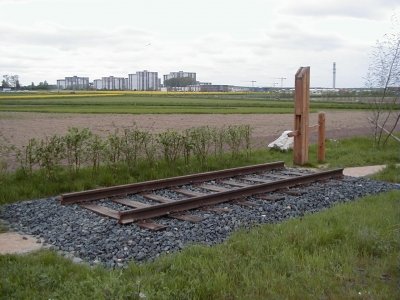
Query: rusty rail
(121, 190)
(141, 212)
(138, 214)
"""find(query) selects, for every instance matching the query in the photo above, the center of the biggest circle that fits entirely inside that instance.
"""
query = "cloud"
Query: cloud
(289, 36)
(69, 38)
(367, 9)
(47, 51)
(17, 2)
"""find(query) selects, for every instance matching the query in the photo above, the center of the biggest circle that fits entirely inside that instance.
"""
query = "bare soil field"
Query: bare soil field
(18, 127)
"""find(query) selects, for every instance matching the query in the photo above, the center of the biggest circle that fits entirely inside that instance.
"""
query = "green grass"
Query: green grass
(361, 151)
(391, 174)
(350, 251)
(22, 187)
(343, 153)
(161, 103)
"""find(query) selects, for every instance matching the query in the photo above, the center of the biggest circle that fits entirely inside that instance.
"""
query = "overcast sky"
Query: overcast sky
(223, 41)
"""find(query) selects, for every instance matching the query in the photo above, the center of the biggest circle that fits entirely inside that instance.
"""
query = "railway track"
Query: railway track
(140, 202)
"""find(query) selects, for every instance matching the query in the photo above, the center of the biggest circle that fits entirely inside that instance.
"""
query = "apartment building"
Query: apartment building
(73, 83)
(144, 81)
(180, 74)
(114, 83)
(61, 84)
(76, 83)
(98, 84)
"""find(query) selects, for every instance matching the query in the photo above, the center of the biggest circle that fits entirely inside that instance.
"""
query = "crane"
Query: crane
(252, 82)
(281, 79)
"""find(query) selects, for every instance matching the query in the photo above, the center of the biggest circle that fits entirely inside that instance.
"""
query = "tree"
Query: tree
(384, 74)
(43, 85)
(10, 81)
(4, 84)
(179, 82)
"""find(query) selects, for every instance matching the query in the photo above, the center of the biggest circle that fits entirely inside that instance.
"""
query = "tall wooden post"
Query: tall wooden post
(302, 103)
(321, 137)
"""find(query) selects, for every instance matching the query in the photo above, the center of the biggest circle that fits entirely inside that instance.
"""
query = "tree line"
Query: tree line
(12, 82)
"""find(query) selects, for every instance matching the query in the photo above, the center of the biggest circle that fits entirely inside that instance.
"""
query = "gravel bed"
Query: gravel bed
(169, 194)
(110, 204)
(87, 237)
(195, 188)
(141, 199)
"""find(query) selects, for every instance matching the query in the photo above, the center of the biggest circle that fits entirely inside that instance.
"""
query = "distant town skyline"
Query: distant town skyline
(224, 42)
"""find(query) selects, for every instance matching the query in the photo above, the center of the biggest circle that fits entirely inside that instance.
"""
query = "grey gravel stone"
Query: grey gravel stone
(85, 236)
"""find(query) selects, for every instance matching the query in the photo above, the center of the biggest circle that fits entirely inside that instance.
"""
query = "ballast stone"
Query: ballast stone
(99, 240)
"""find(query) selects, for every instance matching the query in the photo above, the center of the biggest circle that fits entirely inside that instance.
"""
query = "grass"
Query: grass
(360, 151)
(391, 174)
(350, 251)
(21, 186)
(163, 103)
(339, 154)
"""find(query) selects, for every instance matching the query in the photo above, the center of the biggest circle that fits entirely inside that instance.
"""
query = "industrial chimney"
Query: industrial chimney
(334, 75)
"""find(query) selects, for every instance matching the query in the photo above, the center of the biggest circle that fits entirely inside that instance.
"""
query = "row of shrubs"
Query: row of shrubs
(83, 148)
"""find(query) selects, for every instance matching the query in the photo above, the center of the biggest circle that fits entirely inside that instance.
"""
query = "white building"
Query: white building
(114, 83)
(180, 74)
(61, 84)
(73, 83)
(132, 82)
(144, 81)
(76, 83)
(98, 84)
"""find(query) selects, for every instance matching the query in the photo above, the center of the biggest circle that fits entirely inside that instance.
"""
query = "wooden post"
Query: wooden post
(302, 103)
(321, 137)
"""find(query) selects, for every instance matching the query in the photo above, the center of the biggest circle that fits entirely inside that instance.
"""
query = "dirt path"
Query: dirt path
(15, 243)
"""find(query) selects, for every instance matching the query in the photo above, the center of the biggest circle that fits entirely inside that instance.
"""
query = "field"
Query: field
(350, 251)
(168, 103)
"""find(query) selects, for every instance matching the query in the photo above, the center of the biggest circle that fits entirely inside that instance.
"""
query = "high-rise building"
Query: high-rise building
(114, 83)
(76, 83)
(73, 83)
(144, 81)
(98, 84)
(61, 84)
(180, 74)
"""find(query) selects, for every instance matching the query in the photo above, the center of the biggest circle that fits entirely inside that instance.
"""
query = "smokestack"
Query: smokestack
(334, 75)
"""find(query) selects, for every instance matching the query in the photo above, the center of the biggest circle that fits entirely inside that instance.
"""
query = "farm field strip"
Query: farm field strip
(126, 109)
(163, 104)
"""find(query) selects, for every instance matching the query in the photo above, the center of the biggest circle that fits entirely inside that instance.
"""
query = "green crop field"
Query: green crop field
(165, 103)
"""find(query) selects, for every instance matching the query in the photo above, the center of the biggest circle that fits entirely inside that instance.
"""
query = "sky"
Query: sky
(224, 42)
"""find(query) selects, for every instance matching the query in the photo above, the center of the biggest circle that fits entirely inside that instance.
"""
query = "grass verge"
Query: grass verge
(391, 174)
(350, 251)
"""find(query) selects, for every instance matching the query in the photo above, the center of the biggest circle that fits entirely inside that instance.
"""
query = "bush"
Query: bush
(81, 147)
